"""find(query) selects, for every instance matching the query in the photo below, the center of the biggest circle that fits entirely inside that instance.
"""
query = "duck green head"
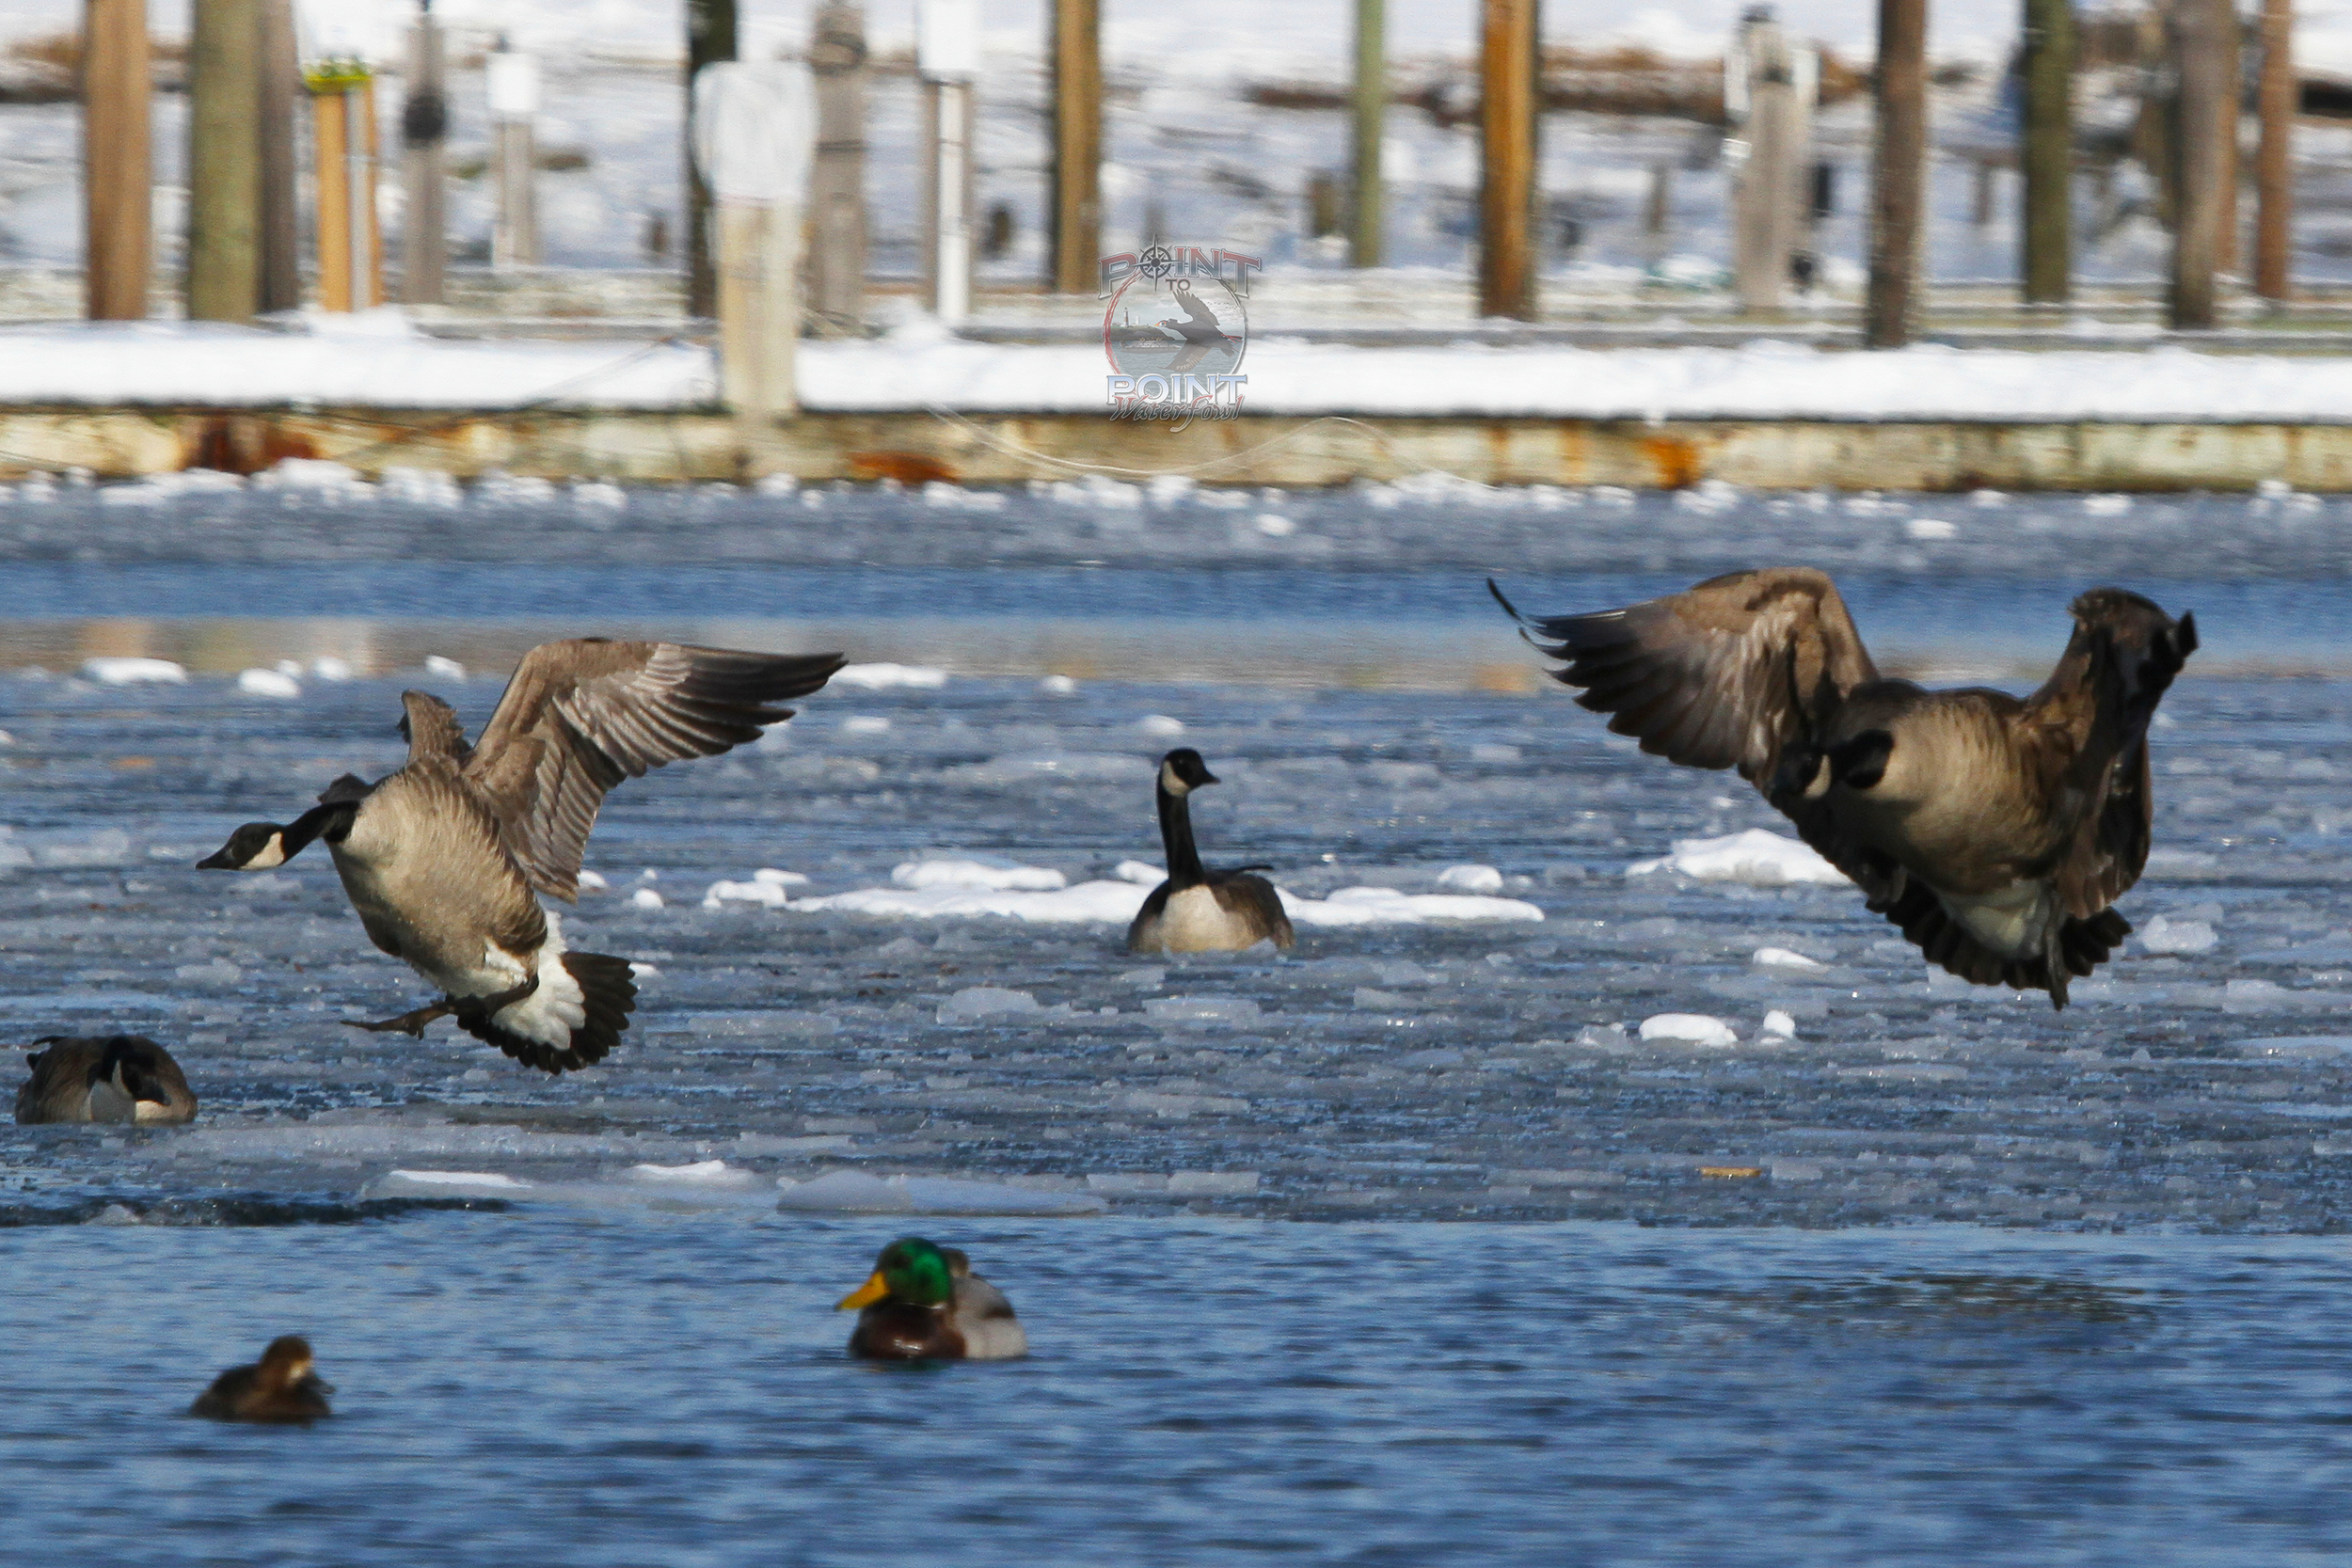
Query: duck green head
(910, 1270)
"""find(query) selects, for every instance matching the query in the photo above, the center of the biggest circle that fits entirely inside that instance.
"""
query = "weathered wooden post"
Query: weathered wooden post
(513, 80)
(1898, 174)
(424, 131)
(351, 252)
(2204, 36)
(836, 188)
(755, 131)
(117, 161)
(1770, 202)
(1074, 207)
(1507, 125)
(2274, 160)
(224, 173)
(709, 39)
(281, 234)
(947, 57)
(2045, 153)
(1366, 230)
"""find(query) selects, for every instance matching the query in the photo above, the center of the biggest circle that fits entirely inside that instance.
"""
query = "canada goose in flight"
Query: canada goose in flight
(923, 1303)
(117, 1078)
(281, 1386)
(1995, 832)
(444, 859)
(1197, 909)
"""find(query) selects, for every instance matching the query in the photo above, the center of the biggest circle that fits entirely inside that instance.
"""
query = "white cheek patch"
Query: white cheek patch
(1169, 782)
(273, 854)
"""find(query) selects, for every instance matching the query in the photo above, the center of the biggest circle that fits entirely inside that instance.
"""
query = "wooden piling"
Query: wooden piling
(1368, 214)
(1898, 174)
(1507, 128)
(2274, 160)
(1771, 199)
(117, 161)
(711, 36)
(224, 263)
(2046, 154)
(1075, 201)
(836, 262)
(278, 90)
(2202, 38)
(344, 155)
(423, 134)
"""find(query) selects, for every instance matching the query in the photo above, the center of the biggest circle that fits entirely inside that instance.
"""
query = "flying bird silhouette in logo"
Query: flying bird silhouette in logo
(1199, 333)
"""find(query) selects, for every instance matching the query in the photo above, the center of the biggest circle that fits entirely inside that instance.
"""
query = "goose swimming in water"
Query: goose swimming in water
(114, 1078)
(281, 1386)
(1197, 909)
(923, 1303)
(1997, 832)
(446, 858)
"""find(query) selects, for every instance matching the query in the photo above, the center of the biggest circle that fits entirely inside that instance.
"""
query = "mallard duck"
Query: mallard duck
(1197, 909)
(281, 1386)
(1997, 832)
(115, 1078)
(446, 858)
(923, 1303)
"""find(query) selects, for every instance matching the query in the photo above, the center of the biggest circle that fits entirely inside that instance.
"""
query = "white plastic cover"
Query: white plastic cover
(754, 129)
(947, 39)
(513, 81)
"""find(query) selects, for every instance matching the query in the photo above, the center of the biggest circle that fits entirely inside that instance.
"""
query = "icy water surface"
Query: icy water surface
(535, 1388)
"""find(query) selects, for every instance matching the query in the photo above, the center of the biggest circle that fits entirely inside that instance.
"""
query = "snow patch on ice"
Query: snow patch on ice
(976, 871)
(1160, 724)
(1756, 857)
(1142, 872)
(854, 1192)
(1471, 878)
(1689, 1028)
(1200, 1009)
(268, 683)
(715, 1172)
(1382, 906)
(876, 677)
(2164, 934)
(1782, 958)
(134, 671)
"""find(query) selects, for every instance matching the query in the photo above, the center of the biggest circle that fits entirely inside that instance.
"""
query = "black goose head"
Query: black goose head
(255, 846)
(1182, 771)
(133, 1064)
(1861, 762)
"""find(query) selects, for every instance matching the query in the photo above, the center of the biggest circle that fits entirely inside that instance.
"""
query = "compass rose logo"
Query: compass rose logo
(1175, 327)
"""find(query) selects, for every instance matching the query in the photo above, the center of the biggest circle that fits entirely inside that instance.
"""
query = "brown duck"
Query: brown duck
(281, 1386)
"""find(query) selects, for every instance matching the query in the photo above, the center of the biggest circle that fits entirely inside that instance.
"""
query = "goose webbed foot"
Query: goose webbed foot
(412, 1023)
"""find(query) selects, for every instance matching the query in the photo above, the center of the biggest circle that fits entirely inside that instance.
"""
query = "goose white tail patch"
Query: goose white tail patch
(549, 1014)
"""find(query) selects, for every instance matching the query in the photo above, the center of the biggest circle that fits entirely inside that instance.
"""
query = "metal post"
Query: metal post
(2274, 161)
(836, 195)
(423, 131)
(1074, 248)
(2045, 153)
(709, 39)
(224, 176)
(1367, 221)
(1507, 121)
(118, 162)
(281, 226)
(513, 90)
(947, 57)
(1898, 174)
(2206, 119)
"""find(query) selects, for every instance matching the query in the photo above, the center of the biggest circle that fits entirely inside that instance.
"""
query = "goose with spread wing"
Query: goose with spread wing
(1996, 832)
(447, 859)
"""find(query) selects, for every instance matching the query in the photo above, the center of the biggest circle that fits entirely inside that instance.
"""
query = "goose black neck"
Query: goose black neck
(330, 821)
(1183, 858)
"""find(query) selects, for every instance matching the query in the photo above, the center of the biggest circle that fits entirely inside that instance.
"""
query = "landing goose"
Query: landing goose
(446, 858)
(1995, 832)
(112, 1078)
(923, 1303)
(1197, 909)
(280, 1387)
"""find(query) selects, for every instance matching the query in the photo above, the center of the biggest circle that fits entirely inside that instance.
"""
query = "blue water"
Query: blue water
(532, 1387)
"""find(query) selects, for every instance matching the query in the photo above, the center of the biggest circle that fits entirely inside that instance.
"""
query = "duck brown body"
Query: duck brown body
(107, 1078)
(975, 1323)
(280, 1387)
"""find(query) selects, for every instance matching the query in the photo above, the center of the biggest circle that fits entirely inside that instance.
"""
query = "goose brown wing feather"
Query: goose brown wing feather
(2085, 735)
(580, 716)
(431, 727)
(1733, 673)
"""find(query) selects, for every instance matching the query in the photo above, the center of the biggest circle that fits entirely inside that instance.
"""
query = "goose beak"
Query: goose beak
(217, 861)
(866, 1294)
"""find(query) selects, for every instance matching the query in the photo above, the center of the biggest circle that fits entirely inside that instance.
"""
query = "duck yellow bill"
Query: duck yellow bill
(865, 1294)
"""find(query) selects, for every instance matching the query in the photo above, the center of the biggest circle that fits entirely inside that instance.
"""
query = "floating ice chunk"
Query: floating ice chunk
(2107, 506)
(1779, 1025)
(777, 484)
(592, 879)
(2164, 934)
(864, 723)
(309, 473)
(978, 1001)
(217, 972)
(1200, 1009)
(444, 1180)
(645, 898)
(713, 1172)
(1103, 902)
(1275, 526)
(1384, 906)
(853, 1192)
(1471, 878)
(6, 738)
(766, 895)
(1142, 872)
(985, 871)
(1212, 1183)
(449, 669)
(1756, 857)
(1689, 1028)
(1794, 1170)
(134, 671)
(875, 677)
(1123, 1182)
(1782, 958)
(1925, 529)
(2299, 1046)
(1493, 751)
(1160, 723)
(327, 667)
(1057, 686)
(268, 683)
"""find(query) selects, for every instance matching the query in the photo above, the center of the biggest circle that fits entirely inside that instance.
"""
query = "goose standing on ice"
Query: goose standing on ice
(1997, 832)
(446, 858)
(115, 1078)
(1197, 909)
